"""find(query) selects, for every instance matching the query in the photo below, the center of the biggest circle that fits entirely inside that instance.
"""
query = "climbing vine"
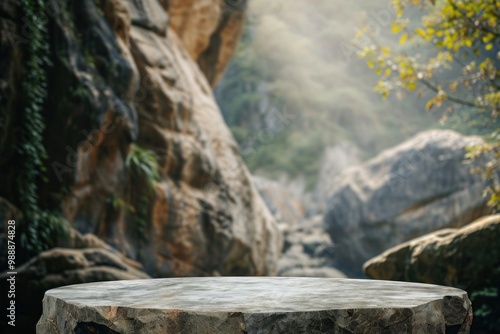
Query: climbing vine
(40, 226)
(142, 169)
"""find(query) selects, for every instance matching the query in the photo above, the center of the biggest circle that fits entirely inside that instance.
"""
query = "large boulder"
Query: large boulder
(120, 76)
(468, 258)
(417, 187)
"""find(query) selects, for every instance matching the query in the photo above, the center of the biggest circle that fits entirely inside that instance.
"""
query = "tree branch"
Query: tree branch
(433, 88)
(472, 22)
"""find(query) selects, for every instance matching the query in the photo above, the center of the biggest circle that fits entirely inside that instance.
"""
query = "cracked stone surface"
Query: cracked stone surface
(235, 305)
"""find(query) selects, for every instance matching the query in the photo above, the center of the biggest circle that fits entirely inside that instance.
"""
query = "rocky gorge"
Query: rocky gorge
(116, 164)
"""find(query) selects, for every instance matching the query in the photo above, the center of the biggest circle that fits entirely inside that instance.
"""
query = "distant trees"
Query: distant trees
(451, 58)
(292, 60)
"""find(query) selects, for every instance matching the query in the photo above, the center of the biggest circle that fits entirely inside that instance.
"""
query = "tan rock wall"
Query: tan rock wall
(121, 74)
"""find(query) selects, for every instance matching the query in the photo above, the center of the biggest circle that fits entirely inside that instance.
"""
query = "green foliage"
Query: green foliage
(44, 232)
(41, 227)
(89, 57)
(142, 169)
(489, 170)
(294, 154)
(486, 312)
(79, 92)
(460, 77)
(291, 55)
(98, 4)
(142, 164)
(239, 98)
(465, 33)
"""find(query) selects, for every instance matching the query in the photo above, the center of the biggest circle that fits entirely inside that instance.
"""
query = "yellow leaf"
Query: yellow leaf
(395, 28)
(385, 51)
(488, 47)
(388, 72)
(420, 32)
(488, 38)
(453, 86)
(403, 39)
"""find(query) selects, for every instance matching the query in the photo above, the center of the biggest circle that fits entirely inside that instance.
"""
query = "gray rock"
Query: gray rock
(255, 305)
(308, 251)
(285, 207)
(466, 256)
(59, 267)
(325, 272)
(417, 187)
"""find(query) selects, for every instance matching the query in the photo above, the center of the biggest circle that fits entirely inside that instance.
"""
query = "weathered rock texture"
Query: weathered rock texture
(412, 189)
(285, 207)
(467, 257)
(210, 31)
(308, 251)
(307, 248)
(253, 305)
(120, 75)
(59, 267)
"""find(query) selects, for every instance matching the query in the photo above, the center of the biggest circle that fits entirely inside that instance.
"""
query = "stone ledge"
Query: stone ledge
(255, 305)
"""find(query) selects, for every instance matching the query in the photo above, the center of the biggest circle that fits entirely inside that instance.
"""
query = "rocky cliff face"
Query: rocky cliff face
(141, 72)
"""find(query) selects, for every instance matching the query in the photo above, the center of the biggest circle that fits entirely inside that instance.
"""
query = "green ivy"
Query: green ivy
(41, 227)
(142, 169)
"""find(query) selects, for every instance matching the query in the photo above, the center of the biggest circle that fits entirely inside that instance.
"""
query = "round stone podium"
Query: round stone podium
(255, 305)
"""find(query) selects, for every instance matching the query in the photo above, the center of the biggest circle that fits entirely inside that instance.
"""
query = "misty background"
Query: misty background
(297, 87)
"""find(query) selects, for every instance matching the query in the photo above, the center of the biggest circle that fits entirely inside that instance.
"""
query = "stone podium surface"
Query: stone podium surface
(237, 305)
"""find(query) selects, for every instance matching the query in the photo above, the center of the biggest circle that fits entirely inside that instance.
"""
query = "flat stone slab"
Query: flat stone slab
(261, 305)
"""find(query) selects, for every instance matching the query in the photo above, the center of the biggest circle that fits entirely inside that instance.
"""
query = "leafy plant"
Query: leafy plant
(142, 164)
(142, 169)
(460, 77)
(41, 227)
(489, 170)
